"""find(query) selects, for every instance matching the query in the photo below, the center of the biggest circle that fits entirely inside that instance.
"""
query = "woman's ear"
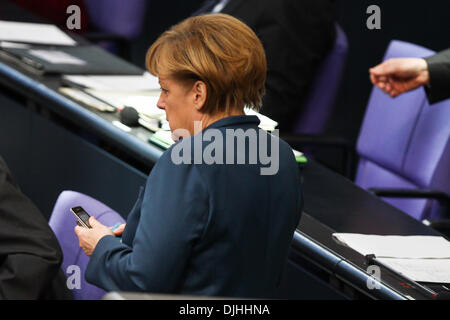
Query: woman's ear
(200, 93)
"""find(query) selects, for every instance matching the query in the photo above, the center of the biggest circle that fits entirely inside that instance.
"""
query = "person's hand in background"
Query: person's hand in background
(398, 75)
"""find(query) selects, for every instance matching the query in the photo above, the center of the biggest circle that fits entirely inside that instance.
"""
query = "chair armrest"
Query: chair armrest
(442, 197)
(297, 141)
(441, 225)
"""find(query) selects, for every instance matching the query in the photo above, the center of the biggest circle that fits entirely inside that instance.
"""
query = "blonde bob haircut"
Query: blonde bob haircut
(219, 50)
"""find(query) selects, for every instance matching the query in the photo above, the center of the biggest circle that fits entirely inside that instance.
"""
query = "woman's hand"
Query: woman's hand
(89, 238)
(119, 230)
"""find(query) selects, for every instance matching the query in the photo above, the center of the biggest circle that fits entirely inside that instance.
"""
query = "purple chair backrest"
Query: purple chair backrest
(404, 142)
(63, 222)
(122, 17)
(318, 105)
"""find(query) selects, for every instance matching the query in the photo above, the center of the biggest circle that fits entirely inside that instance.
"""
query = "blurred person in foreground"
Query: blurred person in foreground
(30, 255)
(216, 217)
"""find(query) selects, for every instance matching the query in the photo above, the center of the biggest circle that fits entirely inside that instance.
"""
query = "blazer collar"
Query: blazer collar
(234, 121)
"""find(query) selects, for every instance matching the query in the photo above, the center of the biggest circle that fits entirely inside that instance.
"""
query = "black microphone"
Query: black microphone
(129, 117)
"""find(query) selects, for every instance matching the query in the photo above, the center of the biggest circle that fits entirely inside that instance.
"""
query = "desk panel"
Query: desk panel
(46, 159)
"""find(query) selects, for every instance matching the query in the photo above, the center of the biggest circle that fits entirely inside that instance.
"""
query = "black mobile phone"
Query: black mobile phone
(82, 216)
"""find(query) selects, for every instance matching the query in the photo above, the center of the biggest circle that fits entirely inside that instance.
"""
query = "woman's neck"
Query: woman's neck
(207, 119)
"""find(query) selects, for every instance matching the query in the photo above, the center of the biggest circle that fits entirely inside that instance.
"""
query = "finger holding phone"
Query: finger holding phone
(89, 230)
(118, 229)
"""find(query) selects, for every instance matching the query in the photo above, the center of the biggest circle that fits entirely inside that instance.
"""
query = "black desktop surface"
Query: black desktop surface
(345, 207)
(334, 204)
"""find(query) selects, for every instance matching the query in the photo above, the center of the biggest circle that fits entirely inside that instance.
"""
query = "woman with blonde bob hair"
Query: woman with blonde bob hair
(217, 56)
(214, 224)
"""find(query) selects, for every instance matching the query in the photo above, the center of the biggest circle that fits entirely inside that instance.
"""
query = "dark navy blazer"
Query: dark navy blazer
(207, 229)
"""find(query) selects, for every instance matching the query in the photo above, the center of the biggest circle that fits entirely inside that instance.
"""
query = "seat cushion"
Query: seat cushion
(389, 124)
(371, 175)
(63, 222)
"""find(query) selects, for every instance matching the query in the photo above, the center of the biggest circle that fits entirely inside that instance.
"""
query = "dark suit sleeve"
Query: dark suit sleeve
(439, 69)
(172, 218)
(30, 256)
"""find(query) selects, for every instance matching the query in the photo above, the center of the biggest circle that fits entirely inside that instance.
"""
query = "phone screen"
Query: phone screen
(82, 215)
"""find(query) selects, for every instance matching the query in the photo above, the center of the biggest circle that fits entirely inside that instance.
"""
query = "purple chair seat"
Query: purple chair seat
(404, 143)
(63, 222)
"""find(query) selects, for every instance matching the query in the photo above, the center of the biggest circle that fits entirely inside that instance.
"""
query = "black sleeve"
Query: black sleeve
(30, 256)
(297, 36)
(439, 69)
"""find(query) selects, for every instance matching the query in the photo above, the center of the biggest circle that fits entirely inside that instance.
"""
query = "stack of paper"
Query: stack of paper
(420, 258)
(56, 57)
(144, 82)
(144, 103)
(39, 33)
(163, 138)
(140, 92)
(82, 97)
(265, 122)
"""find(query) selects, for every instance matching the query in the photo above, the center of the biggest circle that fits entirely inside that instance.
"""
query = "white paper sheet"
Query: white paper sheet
(423, 270)
(7, 44)
(82, 97)
(265, 122)
(34, 33)
(143, 103)
(165, 136)
(146, 82)
(414, 247)
(57, 57)
(297, 153)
